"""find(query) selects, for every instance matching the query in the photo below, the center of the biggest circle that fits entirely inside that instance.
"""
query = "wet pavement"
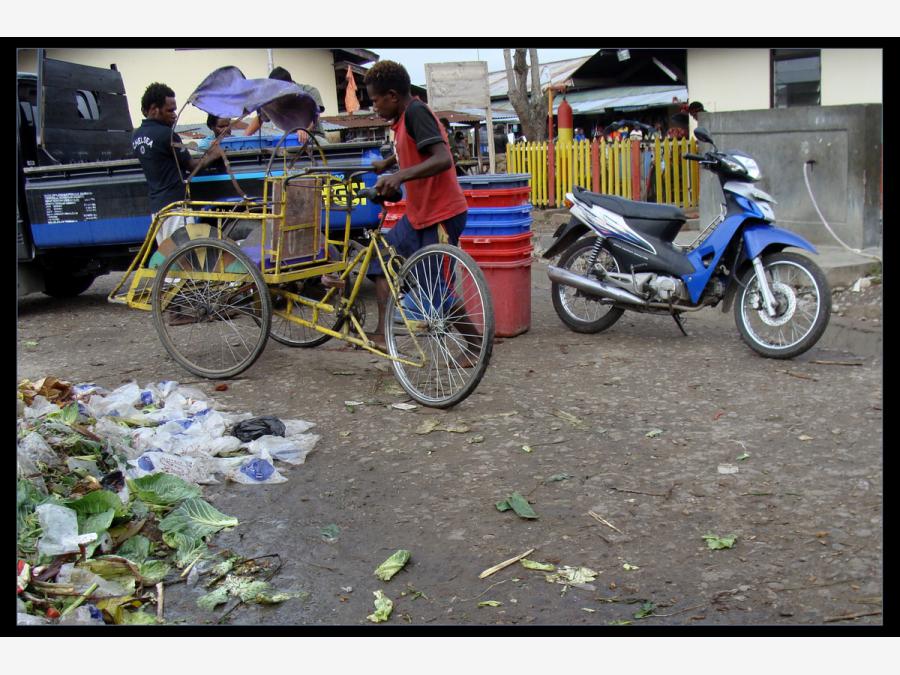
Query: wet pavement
(639, 425)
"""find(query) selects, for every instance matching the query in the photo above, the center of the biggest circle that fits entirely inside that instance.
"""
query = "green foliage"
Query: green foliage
(163, 489)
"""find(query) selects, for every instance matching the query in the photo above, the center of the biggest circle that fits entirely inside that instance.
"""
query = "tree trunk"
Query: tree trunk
(531, 108)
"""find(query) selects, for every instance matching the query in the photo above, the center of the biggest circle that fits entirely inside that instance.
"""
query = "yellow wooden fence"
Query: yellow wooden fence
(608, 167)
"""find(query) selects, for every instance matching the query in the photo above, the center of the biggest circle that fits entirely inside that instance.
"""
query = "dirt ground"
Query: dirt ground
(633, 424)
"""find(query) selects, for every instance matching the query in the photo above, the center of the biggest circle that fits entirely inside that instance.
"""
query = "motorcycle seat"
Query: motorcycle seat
(657, 220)
(631, 209)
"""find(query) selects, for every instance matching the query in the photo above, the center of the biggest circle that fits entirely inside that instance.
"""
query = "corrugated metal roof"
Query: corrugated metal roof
(555, 72)
(594, 101)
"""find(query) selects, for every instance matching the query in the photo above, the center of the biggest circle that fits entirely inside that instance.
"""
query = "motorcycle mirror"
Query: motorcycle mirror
(703, 135)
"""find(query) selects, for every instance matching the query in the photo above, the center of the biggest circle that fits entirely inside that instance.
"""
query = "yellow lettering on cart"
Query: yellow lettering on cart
(340, 195)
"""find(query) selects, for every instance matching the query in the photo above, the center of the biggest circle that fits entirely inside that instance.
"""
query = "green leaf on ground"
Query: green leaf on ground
(187, 527)
(163, 489)
(527, 448)
(645, 610)
(330, 532)
(715, 543)
(392, 565)
(653, 433)
(619, 622)
(490, 603)
(136, 548)
(520, 505)
(534, 565)
(383, 608)
(744, 455)
(503, 506)
(138, 618)
(628, 567)
(572, 575)
(559, 476)
(96, 502)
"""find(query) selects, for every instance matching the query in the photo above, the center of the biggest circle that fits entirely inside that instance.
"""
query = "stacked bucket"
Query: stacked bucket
(498, 237)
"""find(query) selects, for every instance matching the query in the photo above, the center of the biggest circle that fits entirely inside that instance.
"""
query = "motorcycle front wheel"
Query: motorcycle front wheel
(581, 312)
(803, 306)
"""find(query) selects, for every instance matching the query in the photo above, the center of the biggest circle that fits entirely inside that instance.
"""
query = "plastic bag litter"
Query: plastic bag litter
(35, 449)
(296, 427)
(84, 615)
(81, 580)
(255, 471)
(194, 469)
(291, 450)
(59, 525)
(119, 403)
(23, 619)
(250, 430)
(40, 407)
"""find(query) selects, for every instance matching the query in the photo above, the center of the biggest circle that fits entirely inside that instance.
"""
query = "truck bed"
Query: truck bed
(106, 204)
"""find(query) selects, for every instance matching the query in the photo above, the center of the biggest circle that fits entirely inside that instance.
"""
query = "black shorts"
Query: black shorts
(406, 240)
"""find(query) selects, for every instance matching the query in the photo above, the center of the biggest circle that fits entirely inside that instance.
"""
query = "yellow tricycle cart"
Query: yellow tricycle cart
(234, 274)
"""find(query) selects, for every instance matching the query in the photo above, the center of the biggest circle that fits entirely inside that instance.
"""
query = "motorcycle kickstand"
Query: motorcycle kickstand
(680, 323)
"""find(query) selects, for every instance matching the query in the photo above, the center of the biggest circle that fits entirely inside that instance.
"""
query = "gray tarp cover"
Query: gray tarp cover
(227, 93)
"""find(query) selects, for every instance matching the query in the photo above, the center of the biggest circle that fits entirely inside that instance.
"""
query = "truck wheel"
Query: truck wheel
(65, 285)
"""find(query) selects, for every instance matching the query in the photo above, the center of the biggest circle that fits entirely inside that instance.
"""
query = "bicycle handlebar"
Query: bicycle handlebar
(370, 193)
(689, 155)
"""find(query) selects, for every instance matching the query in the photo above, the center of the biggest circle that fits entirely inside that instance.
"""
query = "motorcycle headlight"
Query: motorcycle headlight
(749, 166)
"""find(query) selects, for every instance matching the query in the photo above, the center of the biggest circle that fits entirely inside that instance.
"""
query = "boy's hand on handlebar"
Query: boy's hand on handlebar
(389, 184)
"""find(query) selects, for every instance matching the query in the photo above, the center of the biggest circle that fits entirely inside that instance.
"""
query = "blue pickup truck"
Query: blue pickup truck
(81, 203)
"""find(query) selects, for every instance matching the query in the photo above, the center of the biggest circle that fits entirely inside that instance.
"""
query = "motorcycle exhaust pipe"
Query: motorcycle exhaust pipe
(592, 286)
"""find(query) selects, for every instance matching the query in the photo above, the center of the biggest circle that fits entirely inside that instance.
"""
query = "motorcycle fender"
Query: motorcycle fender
(565, 235)
(758, 238)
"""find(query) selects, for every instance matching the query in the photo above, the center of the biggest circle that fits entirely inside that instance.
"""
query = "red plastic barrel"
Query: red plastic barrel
(509, 284)
(506, 264)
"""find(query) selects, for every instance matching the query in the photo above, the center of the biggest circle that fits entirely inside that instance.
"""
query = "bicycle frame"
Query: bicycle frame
(361, 260)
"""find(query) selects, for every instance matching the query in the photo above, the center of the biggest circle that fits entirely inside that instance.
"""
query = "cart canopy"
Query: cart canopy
(227, 93)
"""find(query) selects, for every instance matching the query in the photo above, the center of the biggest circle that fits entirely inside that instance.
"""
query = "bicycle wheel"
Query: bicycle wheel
(211, 308)
(446, 300)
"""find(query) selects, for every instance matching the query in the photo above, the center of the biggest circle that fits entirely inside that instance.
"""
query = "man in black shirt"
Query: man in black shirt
(152, 145)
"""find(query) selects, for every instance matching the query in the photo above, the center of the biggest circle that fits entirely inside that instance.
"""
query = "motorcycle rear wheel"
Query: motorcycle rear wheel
(581, 312)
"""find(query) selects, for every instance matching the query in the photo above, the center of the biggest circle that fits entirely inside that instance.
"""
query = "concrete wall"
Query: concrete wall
(729, 79)
(851, 76)
(184, 69)
(845, 142)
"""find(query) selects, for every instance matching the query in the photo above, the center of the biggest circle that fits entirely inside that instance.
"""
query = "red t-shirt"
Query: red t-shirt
(436, 198)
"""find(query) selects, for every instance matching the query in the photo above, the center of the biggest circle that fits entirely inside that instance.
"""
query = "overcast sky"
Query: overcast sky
(414, 60)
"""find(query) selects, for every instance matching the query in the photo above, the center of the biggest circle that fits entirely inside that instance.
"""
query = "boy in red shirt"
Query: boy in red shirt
(436, 208)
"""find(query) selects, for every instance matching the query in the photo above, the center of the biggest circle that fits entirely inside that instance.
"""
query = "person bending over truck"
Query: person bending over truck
(436, 207)
(153, 143)
(279, 73)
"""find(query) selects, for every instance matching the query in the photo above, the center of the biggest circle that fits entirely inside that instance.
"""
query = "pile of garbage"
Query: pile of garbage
(108, 499)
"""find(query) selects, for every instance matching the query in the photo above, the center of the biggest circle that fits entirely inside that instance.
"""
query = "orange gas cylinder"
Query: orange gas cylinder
(564, 121)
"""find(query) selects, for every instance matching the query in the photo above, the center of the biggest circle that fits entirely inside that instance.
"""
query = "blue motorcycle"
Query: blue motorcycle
(619, 255)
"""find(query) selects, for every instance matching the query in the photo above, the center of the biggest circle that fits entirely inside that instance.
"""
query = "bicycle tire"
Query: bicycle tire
(443, 290)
